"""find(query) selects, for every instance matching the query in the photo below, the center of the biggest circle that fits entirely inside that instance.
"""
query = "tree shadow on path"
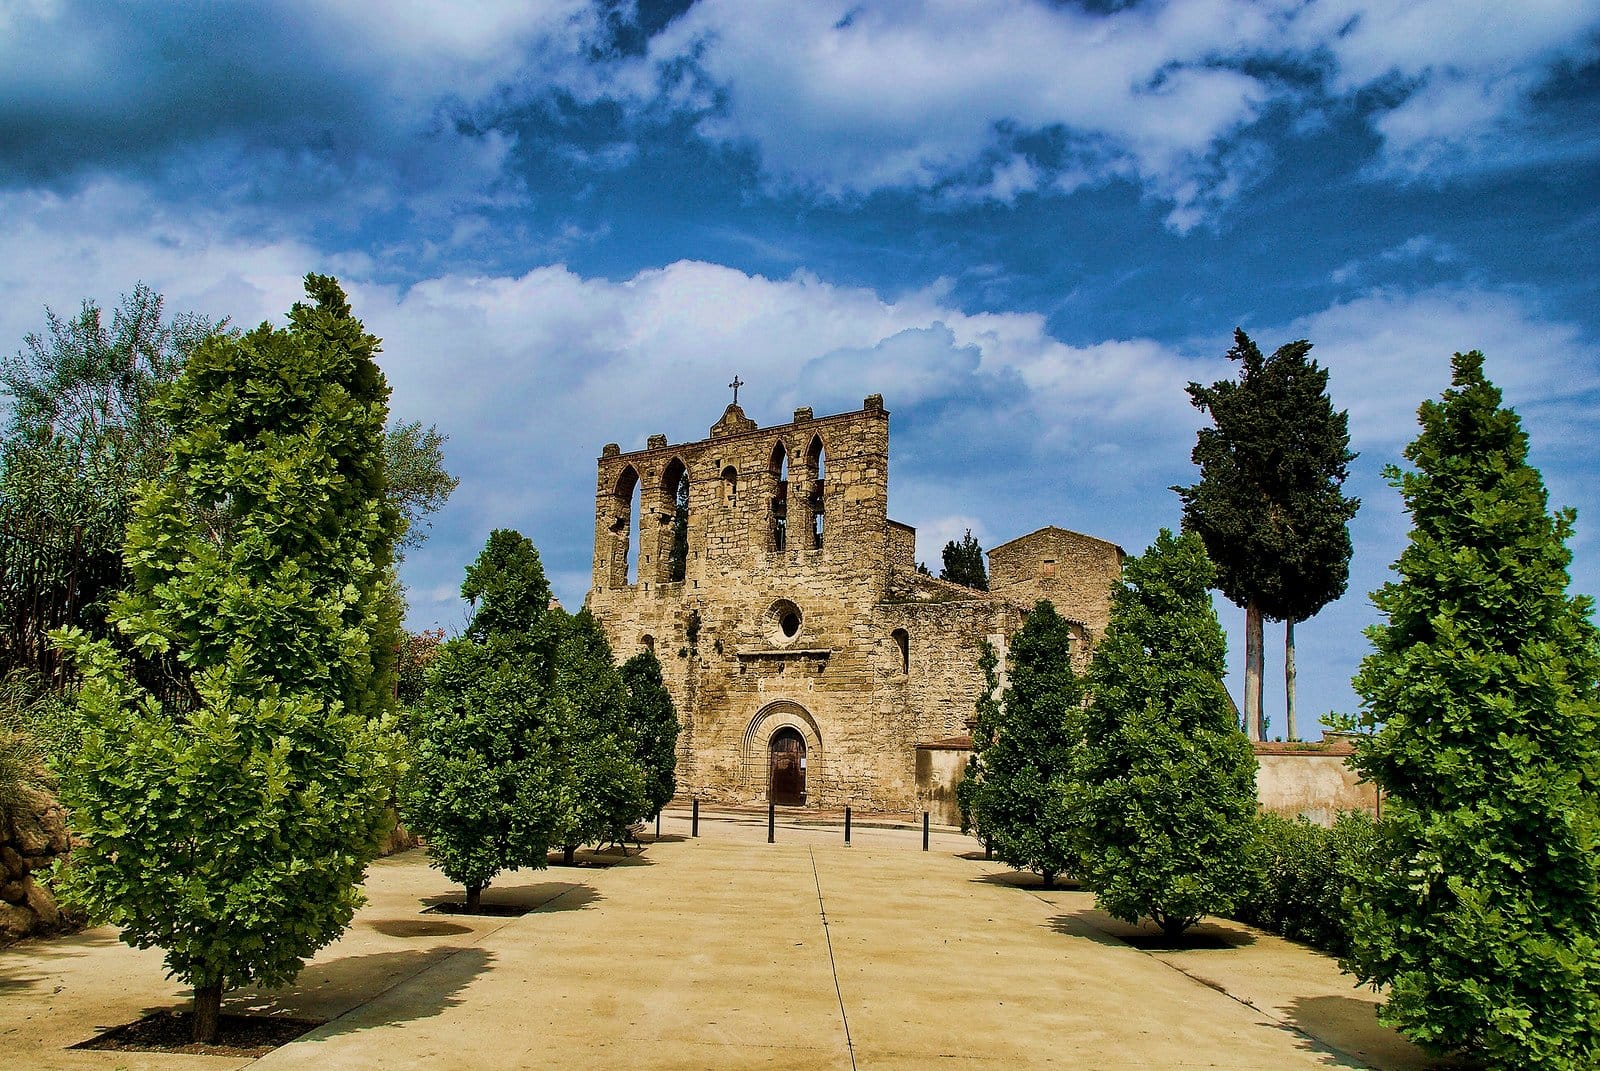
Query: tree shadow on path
(1349, 1026)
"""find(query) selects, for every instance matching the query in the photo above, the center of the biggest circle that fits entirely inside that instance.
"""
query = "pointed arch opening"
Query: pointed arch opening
(625, 528)
(673, 553)
(902, 643)
(779, 469)
(816, 463)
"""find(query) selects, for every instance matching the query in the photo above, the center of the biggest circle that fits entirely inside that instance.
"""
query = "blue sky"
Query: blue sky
(1026, 224)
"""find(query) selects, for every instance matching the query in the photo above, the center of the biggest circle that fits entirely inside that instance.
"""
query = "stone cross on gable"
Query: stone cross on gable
(736, 384)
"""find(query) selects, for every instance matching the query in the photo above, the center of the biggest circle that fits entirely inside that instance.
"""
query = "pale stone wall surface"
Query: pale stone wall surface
(1311, 781)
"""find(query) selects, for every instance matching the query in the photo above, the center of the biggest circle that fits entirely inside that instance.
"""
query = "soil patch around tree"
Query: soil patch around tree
(170, 1031)
(499, 911)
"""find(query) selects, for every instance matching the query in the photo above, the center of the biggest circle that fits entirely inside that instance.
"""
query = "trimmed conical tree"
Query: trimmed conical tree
(484, 786)
(605, 786)
(653, 722)
(1168, 781)
(1481, 910)
(1025, 750)
(229, 822)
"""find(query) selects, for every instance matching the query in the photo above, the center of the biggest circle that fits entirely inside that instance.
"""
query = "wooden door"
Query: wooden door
(788, 781)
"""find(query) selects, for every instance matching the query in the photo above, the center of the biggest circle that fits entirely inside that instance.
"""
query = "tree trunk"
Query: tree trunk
(1288, 680)
(569, 854)
(207, 1010)
(474, 899)
(1252, 671)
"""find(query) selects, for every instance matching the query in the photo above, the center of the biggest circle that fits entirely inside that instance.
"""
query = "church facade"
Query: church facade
(809, 661)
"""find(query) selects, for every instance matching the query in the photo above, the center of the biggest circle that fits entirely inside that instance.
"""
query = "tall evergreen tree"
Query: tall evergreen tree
(1025, 750)
(1481, 913)
(653, 721)
(232, 831)
(484, 785)
(1169, 784)
(963, 563)
(605, 786)
(1268, 504)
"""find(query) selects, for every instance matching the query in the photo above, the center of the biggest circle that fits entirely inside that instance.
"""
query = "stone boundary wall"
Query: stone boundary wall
(32, 837)
(1313, 781)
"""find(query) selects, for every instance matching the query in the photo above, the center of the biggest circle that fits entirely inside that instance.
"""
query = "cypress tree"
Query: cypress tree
(1168, 781)
(1481, 910)
(1268, 504)
(1025, 750)
(604, 785)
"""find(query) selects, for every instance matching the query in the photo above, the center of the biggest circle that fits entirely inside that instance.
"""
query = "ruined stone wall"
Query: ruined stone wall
(844, 642)
(32, 836)
(902, 547)
(755, 638)
(1074, 571)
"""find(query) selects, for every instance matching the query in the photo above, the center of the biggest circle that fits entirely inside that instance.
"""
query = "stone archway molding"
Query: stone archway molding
(778, 714)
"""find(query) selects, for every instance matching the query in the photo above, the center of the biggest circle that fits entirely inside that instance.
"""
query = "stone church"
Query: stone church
(809, 660)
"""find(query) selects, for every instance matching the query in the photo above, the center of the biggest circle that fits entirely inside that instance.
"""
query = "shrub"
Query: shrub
(1304, 872)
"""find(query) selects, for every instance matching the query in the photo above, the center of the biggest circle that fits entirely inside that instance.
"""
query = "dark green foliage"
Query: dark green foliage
(1268, 503)
(1169, 781)
(654, 724)
(232, 830)
(487, 784)
(82, 433)
(1305, 872)
(963, 563)
(1481, 911)
(606, 787)
(1025, 750)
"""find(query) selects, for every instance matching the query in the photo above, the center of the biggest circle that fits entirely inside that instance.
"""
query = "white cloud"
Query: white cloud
(844, 98)
(999, 426)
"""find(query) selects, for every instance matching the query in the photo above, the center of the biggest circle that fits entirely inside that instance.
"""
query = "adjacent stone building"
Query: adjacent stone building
(807, 656)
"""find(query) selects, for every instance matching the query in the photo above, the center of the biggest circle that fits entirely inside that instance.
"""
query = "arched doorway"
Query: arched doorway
(787, 779)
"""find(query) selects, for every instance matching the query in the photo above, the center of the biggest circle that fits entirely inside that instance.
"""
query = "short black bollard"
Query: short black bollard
(772, 821)
(988, 848)
(694, 822)
(658, 825)
(847, 825)
(924, 830)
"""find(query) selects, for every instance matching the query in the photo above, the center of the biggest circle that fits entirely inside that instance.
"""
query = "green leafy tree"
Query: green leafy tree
(1169, 782)
(81, 433)
(419, 484)
(1026, 748)
(484, 785)
(605, 786)
(1481, 911)
(653, 721)
(232, 830)
(1268, 504)
(963, 563)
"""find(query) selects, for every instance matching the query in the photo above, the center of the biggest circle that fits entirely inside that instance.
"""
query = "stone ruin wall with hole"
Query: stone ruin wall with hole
(880, 658)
